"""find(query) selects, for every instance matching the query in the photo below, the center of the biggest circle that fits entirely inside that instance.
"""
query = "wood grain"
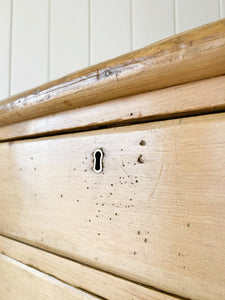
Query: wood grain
(191, 98)
(193, 55)
(156, 215)
(78, 275)
(21, 282)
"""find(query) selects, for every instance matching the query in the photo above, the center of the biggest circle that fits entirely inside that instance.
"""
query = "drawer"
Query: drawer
(155, 215)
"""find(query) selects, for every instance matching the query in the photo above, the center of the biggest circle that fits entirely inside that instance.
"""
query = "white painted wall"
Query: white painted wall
(41, 40)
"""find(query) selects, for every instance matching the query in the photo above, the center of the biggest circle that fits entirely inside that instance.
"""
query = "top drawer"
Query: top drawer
(156, 214)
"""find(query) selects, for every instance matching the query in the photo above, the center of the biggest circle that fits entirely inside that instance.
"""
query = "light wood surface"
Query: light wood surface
(191, 98)
(20, 282)
(78, 275)
(189, 56)
(156, 214)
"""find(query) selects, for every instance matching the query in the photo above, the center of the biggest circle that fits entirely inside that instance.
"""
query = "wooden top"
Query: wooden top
(190, 56)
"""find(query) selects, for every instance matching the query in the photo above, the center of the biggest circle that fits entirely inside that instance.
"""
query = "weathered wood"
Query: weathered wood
(193, 55)
(21, 282)
(191, 98)
(156, 214)
(78, 275)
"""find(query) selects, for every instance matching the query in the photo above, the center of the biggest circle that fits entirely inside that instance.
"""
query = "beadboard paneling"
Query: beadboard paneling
(110, 29)
(147, 26)
(29, 44)
(69, 36)
(192, 13)
(5, 15)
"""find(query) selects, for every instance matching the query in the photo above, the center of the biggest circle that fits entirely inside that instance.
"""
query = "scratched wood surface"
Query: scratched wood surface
(198, 97)
(21, 282)
(193, 55)
(156, 215)
(78, 275)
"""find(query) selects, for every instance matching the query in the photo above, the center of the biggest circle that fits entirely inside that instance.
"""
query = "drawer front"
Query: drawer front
(156, 214)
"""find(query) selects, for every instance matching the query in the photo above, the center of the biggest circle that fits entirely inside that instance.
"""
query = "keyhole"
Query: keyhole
(98, 156)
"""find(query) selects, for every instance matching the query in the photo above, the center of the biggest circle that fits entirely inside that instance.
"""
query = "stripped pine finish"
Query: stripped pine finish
(78, 275)
(151, 225)
(191, 98)
(148, 217)
(194, 55)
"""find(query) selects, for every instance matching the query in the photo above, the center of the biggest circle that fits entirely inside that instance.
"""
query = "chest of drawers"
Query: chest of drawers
(112, 181)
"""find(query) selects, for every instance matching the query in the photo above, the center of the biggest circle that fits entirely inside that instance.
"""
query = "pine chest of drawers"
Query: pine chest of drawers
(112, 181)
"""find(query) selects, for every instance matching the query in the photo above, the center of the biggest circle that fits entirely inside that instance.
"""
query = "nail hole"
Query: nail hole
(140, 159)
(142, 143)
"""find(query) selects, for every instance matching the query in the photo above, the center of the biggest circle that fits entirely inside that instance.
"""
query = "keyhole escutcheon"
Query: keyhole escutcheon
(98, 161)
